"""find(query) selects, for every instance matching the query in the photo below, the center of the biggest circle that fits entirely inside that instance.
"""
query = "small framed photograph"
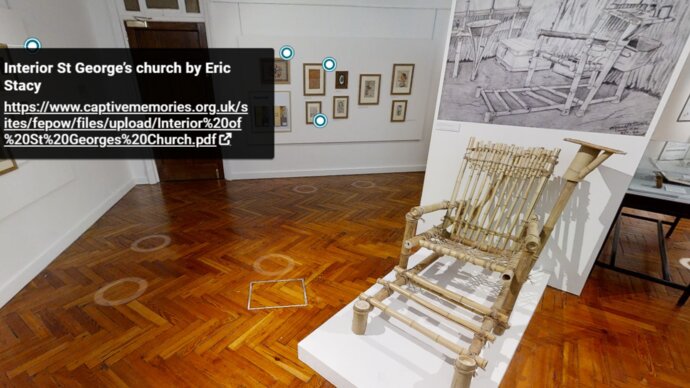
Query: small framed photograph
(314, 79)
(312, 109)
(685, 113)
(401, 84)
(341, 79)
(281, 71)
(398, 111)
(369, 89)
(281, 117)
(7, 164)
(341, 106)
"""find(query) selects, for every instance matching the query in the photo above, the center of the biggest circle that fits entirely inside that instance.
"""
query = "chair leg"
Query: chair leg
(359, 317)
(465, 366)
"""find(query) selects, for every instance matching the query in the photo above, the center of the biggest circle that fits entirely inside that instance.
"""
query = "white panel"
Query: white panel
(330, 21)
(36, 178)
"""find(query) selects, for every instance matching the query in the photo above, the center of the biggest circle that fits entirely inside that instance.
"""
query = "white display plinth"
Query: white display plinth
(393, 355)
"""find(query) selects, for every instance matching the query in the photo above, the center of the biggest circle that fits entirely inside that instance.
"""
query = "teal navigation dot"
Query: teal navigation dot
(320, 120)
(329, 64)
(286, 52)
(32, 45)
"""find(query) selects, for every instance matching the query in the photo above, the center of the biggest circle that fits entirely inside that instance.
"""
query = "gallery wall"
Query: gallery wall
(581, 231)
(364, 37)
(45, 205)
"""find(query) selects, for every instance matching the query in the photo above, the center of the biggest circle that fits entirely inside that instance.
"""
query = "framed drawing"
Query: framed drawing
(281, 71)
(312, 109)
(341, 79)
(314, 79)
(630, 70)
(401, 84)
(7, 164)
(369, 89)
(398, 111)
(685, 113)
(341, 106)
(281, 117)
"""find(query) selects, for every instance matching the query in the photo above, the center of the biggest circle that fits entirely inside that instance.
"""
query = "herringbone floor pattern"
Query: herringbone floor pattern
(192, 327)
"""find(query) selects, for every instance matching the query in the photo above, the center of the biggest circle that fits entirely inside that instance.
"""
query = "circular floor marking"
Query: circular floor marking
(136, 246)
(685, 262)
(363, 184)
(289, 264)
(305, 189)
(100, 298)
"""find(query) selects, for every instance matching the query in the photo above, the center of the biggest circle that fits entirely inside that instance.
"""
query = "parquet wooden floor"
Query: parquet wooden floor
(192, 328)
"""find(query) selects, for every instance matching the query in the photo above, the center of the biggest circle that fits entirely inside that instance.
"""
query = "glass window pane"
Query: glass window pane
(132, 5)
(162, 4)
(192, 6)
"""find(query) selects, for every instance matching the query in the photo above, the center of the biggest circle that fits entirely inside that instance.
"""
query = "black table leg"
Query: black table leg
(684, 297)
(673, 227)
(662, 251)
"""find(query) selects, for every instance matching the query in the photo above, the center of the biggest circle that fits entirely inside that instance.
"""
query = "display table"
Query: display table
(389, 355)
(672, 200)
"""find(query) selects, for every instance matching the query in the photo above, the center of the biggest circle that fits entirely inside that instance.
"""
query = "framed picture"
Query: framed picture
(312, 109)
(281, 117)
(401, 84)
(281, 71)
(398, 110)
(341, 79)
(341, 106)
(7, 164)
(674, 151)
(685, 113)
(369, 89)
(314, 79)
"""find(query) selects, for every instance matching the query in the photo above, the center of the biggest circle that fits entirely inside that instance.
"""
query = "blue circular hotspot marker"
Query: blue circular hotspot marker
(286, 52)
(329, 63)
(320, 120)
(32, 45)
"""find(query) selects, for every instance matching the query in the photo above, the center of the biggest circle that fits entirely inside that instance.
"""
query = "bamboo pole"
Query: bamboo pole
(436, 309)
(423, 330)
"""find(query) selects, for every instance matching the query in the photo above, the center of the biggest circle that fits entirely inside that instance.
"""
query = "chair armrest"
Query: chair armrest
(569, 35)
(418, 211)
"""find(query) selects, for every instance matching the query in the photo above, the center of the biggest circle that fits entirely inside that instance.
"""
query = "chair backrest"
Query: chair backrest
(496, 191)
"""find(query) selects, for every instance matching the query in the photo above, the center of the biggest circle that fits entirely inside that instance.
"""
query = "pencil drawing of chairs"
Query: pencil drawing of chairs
(490, 222)
(613, 40)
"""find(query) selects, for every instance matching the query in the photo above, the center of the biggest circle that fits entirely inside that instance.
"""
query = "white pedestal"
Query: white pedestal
(393, 355)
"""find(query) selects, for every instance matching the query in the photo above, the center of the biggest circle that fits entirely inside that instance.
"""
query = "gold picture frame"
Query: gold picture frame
(398, 111)
(369, 89)
(314, 79)
(341, 107)
(401, 83)
(308, 112)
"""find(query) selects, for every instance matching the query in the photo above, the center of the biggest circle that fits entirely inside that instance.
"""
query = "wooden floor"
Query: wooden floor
(191, 327)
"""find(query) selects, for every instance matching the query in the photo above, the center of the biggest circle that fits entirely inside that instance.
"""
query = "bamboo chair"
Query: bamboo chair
(489, 221)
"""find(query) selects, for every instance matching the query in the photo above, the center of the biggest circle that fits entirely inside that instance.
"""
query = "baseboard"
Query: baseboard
(324, 172)
(33, 268)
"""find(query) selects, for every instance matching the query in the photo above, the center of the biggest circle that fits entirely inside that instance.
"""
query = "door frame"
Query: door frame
(118, 16)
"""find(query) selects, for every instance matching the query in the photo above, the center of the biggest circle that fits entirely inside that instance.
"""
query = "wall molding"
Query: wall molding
(35, 266)
(411, 4)
(324, 172)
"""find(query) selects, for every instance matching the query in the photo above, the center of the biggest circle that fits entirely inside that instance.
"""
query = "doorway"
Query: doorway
(176, 35)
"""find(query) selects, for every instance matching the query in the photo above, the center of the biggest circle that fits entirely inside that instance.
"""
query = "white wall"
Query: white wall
(45, 205)
(364, 37)
(577, 239)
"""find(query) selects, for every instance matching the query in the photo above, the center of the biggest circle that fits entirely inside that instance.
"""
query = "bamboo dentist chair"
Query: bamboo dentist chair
(490, 222)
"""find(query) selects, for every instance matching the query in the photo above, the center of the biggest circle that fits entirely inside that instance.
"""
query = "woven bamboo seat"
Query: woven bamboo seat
(489, 221)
